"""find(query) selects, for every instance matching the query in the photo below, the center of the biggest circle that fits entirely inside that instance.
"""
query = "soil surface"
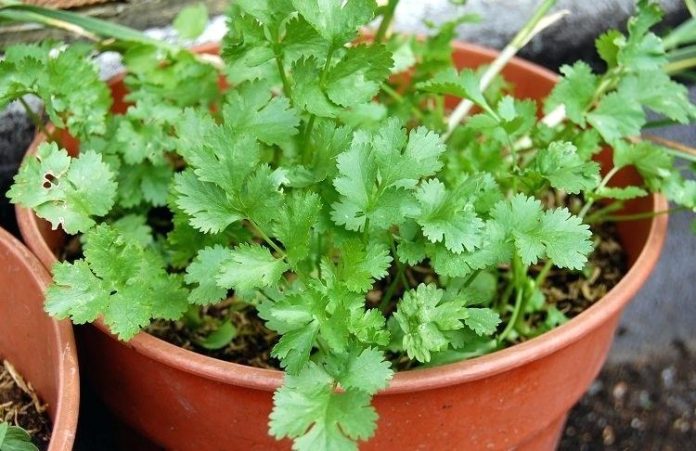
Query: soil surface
(638, 406)
(20, 406)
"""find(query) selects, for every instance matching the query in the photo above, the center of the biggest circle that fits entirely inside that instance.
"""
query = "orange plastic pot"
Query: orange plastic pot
(40, 348)
(515, 398)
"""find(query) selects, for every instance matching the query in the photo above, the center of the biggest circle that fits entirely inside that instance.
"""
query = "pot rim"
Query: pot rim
(417, 379)
(68, 403)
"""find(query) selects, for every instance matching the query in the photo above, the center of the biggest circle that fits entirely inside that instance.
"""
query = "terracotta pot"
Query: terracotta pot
(518, 397)
(40, 348)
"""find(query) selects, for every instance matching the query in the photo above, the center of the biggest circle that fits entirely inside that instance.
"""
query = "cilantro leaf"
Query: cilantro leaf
(465, 84)
(68, 192)
(207, 263)
(251, 109)
(617, 116)
(361, 266)
(337, 22)
(249, 266)
(357, 76)
(447, 216)
(554, 234)
(122, 281)
(575, 91)
(373, 172)
(423, 318)
(561, 165)
(65, 79)
(308, 409)
(297, 218)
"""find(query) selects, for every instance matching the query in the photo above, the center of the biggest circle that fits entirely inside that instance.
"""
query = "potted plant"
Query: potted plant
(429, 262)
(39, 380)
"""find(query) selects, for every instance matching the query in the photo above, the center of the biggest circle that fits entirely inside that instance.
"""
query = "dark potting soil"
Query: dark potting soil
(638, 406)
(570, 292)
(20, 406)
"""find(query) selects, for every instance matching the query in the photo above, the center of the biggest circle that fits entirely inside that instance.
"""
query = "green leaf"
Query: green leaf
(367, 372)
(483, 321)
(68, 192)
(424, 317)
(447, 216)
(251, 109)
(574, 91)
(308, 409)
(652, 161)
(307, 93)
(356, 78)
(561, 165)
(608, 46)
(65, 79)
(536, 234)
(296, 220)
(205, 203)
(336, 22)
(191, 21)
(250, 266)
(220, 337)
(13, 438)
(362, 266)
(134, 228)
(465, 84)
(654, 90)
(376, 169)
(120, 280)
(202, 270)
(617, 117)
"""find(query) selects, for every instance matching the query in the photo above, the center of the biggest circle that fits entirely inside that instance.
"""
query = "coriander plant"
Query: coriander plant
(326, 185)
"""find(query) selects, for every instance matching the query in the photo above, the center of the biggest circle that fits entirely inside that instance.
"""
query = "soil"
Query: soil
(20, 406)
(251, 346)
(638, 406)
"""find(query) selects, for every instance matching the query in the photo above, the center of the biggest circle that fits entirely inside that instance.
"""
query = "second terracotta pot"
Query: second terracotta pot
(40, 348)
(515, 398)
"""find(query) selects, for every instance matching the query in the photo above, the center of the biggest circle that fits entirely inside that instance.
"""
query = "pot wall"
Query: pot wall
(40, 348)
(517, 397)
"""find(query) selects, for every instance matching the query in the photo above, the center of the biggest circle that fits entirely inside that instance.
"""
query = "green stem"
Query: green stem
(599, 215)
(519, 297)
(287, 89)
(387, 19)
(646, 215)
(543, 274)
(38, 123)
(391, 92)
(469, 280)
(602, 184)
(267, 239)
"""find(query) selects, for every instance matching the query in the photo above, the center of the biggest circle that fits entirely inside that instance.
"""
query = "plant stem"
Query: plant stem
(646, 215)
(267, 239)
(599, 215)
(38, 123)
(677, 149)
(602, 184)
(519, 297)
(536, 24)
(469, 280)
(387, 19)
(283, 76)
(391, 92)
